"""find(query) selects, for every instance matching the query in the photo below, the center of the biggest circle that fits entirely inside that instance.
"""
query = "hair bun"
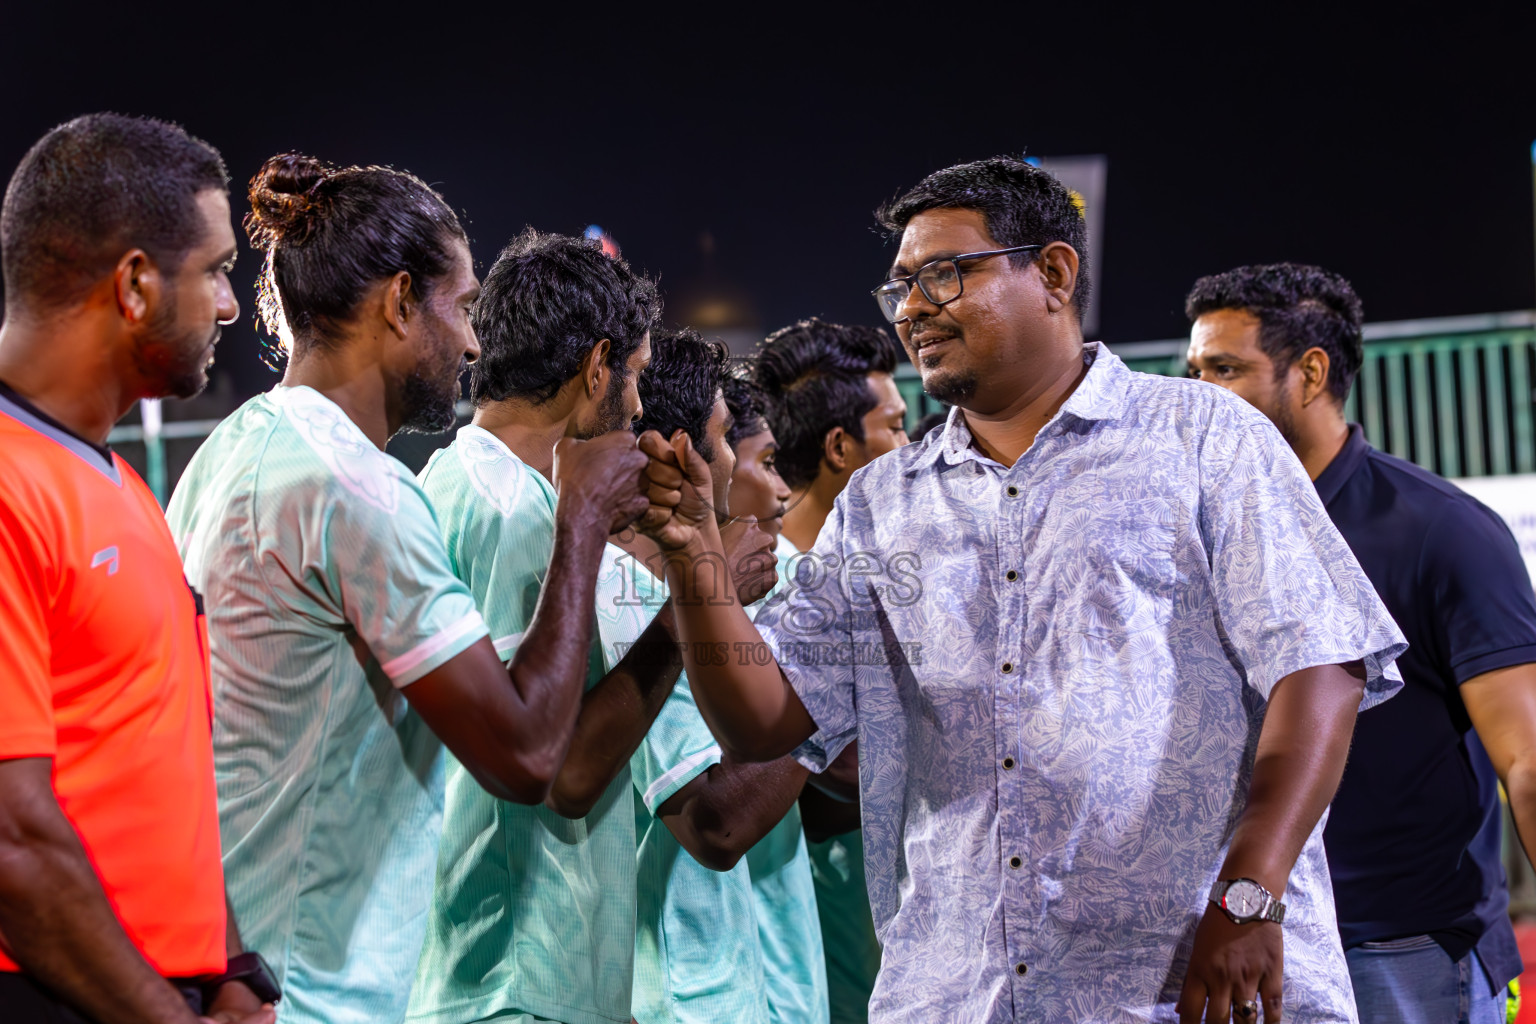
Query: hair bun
(284, 200)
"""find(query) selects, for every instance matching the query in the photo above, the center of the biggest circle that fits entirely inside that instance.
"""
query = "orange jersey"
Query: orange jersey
(106, 672)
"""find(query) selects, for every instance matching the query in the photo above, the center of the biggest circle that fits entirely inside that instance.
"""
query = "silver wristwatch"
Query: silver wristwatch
(1245, 901)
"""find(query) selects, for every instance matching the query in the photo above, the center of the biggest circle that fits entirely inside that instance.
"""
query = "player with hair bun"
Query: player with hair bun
(346, 653)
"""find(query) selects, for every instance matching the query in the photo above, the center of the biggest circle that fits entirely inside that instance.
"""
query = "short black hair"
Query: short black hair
(1298, 307)
(94, 188)
(816, 376)
(331, 232)
(1022, 204)
(679, 389)
(747, 403)
(545, 302)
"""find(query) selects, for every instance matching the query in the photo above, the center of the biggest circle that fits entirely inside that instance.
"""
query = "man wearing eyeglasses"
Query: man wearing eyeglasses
(1100, 729)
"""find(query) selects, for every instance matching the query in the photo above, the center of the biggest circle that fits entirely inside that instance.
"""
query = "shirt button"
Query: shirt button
(1007, 666)
(1008, 763)
(1015, 862)
(1013, 492)
(1021, 969)
(1012, 575)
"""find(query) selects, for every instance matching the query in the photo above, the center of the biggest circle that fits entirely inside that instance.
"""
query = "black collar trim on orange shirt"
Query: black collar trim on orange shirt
(29, 415)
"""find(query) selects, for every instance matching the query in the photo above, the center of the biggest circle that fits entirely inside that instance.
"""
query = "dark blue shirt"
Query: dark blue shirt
(1413, 839)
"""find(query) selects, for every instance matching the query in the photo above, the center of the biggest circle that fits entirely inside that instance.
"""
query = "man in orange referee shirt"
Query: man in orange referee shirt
(115, 239)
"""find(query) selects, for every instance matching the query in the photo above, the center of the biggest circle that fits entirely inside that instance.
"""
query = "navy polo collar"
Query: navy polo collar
(1350, 458)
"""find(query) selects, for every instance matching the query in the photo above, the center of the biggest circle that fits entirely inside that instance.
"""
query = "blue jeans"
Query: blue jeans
(1414, 981)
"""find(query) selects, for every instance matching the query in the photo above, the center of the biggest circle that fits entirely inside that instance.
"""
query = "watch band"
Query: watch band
(251, 970)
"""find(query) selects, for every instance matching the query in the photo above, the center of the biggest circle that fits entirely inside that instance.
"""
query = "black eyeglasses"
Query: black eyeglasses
(940, 281)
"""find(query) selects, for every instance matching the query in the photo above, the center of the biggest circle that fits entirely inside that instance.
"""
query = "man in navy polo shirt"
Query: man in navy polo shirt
(1413, 837)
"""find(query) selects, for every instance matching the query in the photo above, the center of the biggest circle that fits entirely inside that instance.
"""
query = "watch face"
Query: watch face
(1243, 899)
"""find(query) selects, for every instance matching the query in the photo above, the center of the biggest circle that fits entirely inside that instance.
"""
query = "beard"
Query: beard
(1280, 415)
(610, 411)
(429, 395)
(174, 359)
(952, 387)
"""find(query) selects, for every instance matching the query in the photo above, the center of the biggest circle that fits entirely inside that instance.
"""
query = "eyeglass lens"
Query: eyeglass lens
(939, 281)
(890, 296)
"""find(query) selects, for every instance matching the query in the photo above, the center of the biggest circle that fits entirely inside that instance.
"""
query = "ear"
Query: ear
(834, 449)
(1057, 266)
(399, 304)
(138, 287)
(1314, 365)
(594, 369)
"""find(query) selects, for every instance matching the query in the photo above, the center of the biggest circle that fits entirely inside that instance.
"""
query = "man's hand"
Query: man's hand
(237, 1004)
(265, 1015)
(678, 489)
(604, 476)
(749, 555)
(1232, 964)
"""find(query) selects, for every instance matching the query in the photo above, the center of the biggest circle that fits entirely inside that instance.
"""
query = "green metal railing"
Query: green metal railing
(1452, 394)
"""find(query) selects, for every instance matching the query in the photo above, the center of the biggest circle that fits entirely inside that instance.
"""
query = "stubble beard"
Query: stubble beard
(952, 387)
(1280, 416)
(174, 360)
(610, 411)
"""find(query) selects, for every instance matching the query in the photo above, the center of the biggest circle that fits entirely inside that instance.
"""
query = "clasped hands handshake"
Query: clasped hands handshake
(664, 490)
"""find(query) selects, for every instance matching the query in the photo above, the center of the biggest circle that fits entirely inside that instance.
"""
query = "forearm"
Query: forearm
(1299, 762)
(615, 715)
(549, 670)
(59, 927)
(748, 705)
(1520, 786)
(733, 806)
(1502, 706)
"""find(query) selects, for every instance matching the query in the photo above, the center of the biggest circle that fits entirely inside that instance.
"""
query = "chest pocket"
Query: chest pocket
(1119, 575)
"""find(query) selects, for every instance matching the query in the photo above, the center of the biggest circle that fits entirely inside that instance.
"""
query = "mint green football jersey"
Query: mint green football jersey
(784, 898)
(697, 953)
(327, 590)
(533, 914)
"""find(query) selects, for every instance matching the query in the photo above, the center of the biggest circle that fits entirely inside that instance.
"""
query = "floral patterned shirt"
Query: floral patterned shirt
(1057, 673)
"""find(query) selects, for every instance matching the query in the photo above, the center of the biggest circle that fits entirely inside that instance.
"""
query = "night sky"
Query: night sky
(1393, 146)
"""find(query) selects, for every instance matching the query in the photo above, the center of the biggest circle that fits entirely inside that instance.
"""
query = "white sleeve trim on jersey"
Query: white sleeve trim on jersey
(508, 645)
(683, 770)
(397, 668)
